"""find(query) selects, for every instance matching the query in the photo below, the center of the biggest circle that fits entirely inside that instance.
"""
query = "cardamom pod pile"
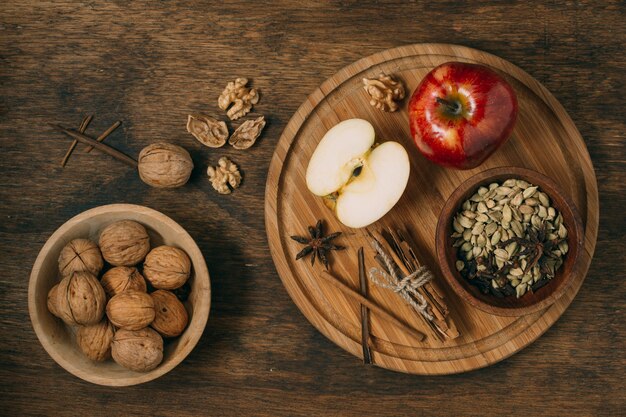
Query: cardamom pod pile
(510, 239)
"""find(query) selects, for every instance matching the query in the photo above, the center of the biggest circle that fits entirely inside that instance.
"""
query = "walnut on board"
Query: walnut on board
(384, 92)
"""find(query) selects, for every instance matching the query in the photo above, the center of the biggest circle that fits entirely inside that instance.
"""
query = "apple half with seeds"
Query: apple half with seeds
(359, 180)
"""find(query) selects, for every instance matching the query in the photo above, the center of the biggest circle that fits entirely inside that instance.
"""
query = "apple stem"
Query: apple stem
(452, 106)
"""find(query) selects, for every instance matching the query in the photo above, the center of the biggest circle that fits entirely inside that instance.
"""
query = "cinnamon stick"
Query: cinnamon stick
(400, 247)
(120, 156)
(365, 327)
(337, 283)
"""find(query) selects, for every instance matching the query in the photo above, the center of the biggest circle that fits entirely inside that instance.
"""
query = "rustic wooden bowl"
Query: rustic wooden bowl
(529, 302)
(58, 339)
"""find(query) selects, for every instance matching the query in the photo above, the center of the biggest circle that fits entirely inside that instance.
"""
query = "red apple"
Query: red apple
(461, 113)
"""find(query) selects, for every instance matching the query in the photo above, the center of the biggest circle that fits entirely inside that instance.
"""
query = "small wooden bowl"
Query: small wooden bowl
(58, 339)
(529, 302)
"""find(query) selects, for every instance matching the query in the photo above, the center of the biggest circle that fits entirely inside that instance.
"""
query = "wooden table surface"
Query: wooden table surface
(149, 64)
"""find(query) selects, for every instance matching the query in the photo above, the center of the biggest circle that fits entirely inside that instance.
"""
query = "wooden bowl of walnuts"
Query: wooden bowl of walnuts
(119, 295)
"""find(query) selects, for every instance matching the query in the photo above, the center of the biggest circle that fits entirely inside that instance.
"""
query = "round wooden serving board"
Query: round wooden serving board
(545, 139)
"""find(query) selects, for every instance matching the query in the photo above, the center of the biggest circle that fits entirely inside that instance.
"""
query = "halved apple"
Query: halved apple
(361, 182)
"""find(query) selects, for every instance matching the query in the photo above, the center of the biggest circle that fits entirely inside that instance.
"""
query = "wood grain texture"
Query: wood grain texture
(544, 140)
(150, 64)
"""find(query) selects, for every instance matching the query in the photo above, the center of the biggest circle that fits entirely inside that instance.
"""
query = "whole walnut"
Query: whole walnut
(124, 243)
(164, 165)
(122, 278)
(80, 299)
(167, 267)
(80, 255)
(53, 301)
(138, 350)
(171, 316)
(131, 310)
(95, 340)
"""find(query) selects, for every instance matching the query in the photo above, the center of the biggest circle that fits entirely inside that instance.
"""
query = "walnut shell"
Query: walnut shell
(247, 133)
(80, 299)
(131, 310)
(138, 350)
(124, 243)
(171, 316)
(208, 130)
(80, 255)
(95, 340)
(122, 278)
(167, 267)
(164, 165)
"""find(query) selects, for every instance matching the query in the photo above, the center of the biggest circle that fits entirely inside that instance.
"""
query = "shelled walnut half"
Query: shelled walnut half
(246, 134)
(237, 99)
(225, 177)
(384, 92)
(208, 130)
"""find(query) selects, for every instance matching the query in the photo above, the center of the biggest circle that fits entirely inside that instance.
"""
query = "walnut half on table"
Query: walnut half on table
(225, 177)
(208, 130)
(246, 134)
(237, 99)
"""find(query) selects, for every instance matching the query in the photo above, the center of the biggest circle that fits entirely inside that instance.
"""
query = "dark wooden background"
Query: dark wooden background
(151, 63)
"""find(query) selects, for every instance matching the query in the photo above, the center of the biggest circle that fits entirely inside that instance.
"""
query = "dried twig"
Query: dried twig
(104, 135)
(81, 129)
(100, 146)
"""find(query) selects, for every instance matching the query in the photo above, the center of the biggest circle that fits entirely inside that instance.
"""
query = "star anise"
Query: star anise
(489, 271)
(536, 248)
(318, 245)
